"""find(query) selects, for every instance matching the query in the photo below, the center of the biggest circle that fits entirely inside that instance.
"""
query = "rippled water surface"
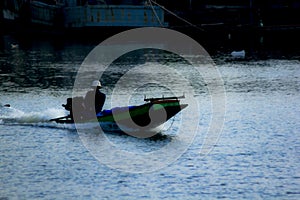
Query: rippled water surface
(256, 155)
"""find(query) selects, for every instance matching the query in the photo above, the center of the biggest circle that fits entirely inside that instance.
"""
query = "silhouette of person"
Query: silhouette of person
(94, 99)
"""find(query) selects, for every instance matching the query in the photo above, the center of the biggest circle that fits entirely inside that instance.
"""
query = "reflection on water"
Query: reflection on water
(262, 77)
(39, 64)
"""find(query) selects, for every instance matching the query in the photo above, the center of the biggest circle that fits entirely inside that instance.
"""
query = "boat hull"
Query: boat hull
(148, 117)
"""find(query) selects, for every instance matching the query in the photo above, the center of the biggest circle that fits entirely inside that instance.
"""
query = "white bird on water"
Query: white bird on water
(238, 54)
(14, 46)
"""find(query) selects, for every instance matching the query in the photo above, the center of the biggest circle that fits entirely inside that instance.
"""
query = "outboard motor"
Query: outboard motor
(77, 103)
(68, 106)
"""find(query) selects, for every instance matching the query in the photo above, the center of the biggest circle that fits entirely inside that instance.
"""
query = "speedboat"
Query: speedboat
(146, 117)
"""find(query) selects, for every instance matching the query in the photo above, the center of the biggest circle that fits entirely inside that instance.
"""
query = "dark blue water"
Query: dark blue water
(256, 156)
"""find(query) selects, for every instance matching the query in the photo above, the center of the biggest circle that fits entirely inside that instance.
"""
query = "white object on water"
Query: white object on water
(17, 116)
(238, 54)
(14, 46)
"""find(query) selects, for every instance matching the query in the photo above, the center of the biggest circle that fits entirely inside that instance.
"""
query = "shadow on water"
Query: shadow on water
(160, 136)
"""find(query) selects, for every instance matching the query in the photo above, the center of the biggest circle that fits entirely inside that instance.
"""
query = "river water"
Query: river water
(255, 156)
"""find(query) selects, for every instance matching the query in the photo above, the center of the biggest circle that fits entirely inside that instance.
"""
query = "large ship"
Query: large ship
(205, 14)
(206, 20)
(78, 14)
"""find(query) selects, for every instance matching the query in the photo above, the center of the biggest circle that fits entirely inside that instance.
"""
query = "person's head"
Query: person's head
(96, 84)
